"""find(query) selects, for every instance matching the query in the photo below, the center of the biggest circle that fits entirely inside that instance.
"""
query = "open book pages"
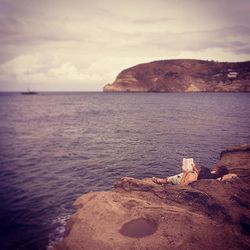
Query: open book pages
(187, 164)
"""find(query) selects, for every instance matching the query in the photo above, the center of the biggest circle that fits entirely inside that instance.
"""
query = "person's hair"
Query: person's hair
(204, 173)
(220, 171)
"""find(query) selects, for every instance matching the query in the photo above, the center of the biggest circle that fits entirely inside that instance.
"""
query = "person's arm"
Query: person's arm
(195, 169)
(183, 179)
(227, 177)
(188, 178)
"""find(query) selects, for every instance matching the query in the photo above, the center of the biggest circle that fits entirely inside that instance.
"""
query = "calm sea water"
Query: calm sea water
(55, 147)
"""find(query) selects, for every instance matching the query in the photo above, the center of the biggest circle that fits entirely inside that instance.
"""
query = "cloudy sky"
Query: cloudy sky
(80, 45)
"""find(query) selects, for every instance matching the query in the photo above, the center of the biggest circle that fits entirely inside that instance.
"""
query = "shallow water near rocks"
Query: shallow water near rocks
(55, 147)
(138, 228)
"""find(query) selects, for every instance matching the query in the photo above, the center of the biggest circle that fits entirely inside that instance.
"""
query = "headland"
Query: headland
(183, 75)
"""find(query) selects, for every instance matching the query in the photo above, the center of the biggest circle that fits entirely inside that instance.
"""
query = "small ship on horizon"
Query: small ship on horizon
(29, 92)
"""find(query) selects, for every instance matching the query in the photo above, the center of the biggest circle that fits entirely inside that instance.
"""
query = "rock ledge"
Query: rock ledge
(208, 214)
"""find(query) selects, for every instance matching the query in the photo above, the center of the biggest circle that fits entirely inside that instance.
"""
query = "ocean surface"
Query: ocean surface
(55, 147)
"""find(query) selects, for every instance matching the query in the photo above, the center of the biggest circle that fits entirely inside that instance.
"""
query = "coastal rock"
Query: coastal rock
(139, 214)
(183, 75)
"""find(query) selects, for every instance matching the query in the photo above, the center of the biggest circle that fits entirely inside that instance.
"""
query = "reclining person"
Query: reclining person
(187, 176)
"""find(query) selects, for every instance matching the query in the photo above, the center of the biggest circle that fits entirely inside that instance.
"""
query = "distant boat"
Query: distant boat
(29, 92)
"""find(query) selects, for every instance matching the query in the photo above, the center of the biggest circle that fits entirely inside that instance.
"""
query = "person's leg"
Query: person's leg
(175, 179)
(159, 180)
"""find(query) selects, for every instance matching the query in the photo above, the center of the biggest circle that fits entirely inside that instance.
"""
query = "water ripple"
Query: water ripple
(55, 147)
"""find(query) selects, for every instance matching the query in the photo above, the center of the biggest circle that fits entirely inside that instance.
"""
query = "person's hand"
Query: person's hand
(195, 169)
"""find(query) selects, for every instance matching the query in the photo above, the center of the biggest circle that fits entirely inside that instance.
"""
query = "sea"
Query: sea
(55, 147)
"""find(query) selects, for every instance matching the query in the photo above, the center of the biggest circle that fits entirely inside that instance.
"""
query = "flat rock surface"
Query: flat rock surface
(139, 214)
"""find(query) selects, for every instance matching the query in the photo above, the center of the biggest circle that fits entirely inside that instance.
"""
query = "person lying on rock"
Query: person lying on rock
(198, 173)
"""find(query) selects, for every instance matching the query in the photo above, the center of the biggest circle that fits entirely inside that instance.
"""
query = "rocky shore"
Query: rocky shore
(138, 214)
(183, 75)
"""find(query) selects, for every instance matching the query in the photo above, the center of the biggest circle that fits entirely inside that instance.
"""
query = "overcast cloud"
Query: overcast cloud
(80, 45)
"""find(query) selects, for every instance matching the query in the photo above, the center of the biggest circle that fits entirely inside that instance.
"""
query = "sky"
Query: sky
(81, 45)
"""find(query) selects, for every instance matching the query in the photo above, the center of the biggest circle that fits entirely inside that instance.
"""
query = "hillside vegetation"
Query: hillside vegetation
(183, 76)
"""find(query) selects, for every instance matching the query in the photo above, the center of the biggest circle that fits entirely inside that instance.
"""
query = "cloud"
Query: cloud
(85, 44)
(38, 64)
(153, 20)
(39, 70)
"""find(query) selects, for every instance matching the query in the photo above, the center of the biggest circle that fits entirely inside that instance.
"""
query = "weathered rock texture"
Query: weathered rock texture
(208, 214)
(183, 76)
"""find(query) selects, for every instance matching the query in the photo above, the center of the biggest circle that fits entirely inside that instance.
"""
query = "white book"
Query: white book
(187, 164)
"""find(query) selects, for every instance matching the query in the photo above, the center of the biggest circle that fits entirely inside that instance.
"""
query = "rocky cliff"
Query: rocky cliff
(139, 214)
(183, 76)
